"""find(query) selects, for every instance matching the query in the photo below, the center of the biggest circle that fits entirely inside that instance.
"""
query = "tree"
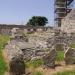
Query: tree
(37, 21)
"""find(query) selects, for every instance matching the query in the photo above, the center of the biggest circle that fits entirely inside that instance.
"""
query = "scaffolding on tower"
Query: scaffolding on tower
(62, 8)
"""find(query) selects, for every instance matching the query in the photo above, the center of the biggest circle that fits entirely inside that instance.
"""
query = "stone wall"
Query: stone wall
(39, 46)
(6, 29)
(68, 23)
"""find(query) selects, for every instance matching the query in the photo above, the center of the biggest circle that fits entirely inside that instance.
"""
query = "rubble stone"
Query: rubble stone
(49, 59)
(17, 66)
(70, 56)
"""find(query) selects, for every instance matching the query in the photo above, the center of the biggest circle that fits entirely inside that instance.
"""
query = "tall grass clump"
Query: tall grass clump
(60, 56)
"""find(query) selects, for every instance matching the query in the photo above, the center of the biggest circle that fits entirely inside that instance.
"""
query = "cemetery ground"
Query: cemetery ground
(36, 67)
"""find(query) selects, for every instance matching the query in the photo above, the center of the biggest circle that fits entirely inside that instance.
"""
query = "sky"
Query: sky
(20, 11)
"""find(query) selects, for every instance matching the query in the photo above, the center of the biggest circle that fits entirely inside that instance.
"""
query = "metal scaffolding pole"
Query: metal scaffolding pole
(62, 8)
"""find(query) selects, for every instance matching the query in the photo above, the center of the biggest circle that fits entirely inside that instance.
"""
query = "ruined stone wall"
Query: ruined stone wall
(6, 29)
(39, 46)
(68, 23)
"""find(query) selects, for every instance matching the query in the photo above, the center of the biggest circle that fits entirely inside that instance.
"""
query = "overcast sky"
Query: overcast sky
(20, 11)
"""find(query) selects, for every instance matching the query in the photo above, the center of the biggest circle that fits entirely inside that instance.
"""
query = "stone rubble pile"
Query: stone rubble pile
(35, 47)
(38, 46)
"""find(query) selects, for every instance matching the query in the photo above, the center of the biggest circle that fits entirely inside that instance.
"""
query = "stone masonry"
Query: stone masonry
(68, 23)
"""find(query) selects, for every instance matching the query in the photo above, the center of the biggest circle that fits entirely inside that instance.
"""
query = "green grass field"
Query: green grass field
(3, 66)
(66, 73)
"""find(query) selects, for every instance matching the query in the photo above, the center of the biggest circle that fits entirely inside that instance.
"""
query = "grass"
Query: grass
(73, 45)
(37, 73)
(66, 73)
(34, 63)
(3, 66)
(60, 56)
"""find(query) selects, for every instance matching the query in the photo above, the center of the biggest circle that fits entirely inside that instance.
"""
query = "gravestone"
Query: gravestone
(17, 66)
(49, 59)
(70, 56)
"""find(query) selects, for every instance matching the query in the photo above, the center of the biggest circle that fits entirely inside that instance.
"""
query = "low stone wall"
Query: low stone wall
(6, 29)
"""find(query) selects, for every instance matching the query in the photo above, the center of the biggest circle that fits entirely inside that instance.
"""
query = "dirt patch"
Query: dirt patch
(48, 71)
(60, 68)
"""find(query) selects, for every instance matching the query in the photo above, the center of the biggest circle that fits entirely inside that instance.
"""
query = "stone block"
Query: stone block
(49, 59)
(17, 66)
(70, 56)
